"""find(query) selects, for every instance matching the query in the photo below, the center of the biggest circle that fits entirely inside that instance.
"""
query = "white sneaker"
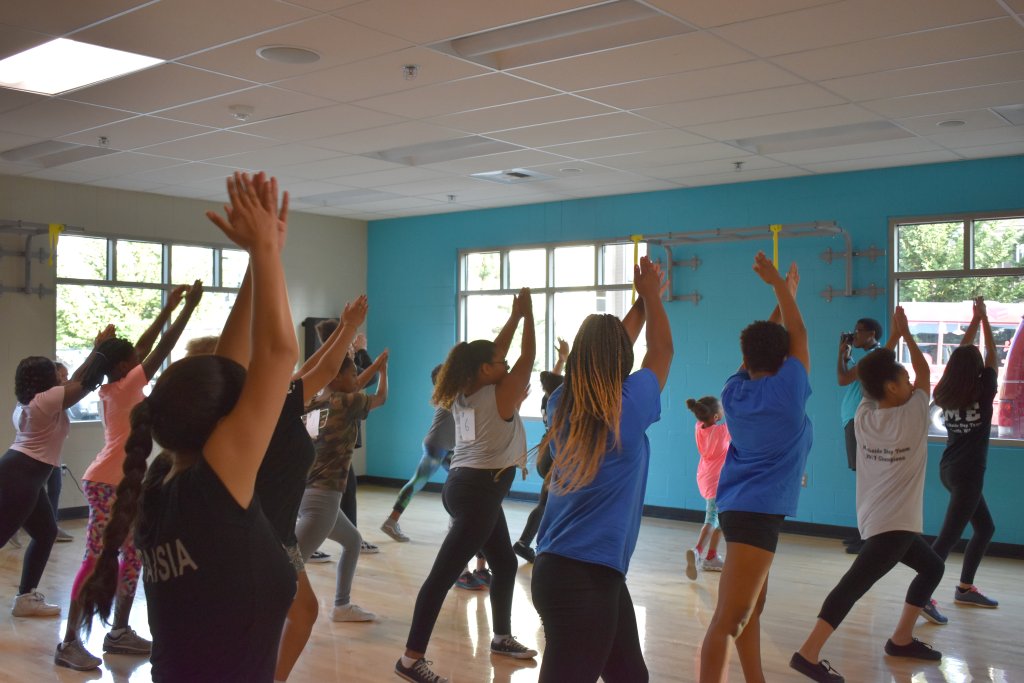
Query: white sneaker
(714, 564)
(351, 612)
(63, 536)
(33, 604)
(391, 528)
(693, 561)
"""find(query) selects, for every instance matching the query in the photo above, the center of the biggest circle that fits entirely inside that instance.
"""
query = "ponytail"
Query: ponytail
(97, 593)
(705, 408)
(460, 369)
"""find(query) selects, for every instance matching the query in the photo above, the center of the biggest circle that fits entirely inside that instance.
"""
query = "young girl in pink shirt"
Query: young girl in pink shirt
(712, 437)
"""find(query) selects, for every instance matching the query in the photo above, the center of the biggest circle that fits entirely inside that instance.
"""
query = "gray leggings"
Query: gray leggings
(319, 519)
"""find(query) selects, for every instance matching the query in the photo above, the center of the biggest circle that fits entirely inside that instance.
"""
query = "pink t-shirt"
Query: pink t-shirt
(118, 400)
(712, 444)
(42, 426)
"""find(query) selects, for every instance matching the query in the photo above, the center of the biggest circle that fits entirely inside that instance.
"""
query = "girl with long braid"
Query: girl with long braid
(194, 511)
(129, 369)
(600, 452)
(490, 442)
(42, 424)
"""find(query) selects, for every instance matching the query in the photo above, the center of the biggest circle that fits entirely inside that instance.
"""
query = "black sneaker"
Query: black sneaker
(821, 672)
(483, 576)
(510, 647)
(524, 551)
(854, 548)
(914, 650)
(318, 557)
(419, 672)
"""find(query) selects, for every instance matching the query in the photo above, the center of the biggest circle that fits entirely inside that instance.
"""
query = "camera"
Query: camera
(847, 337)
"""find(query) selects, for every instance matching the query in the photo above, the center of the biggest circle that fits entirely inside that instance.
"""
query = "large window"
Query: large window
(568, 282)
(125, 282)
(939, 265)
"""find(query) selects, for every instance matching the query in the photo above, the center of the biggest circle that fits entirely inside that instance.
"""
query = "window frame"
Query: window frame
(967, 271)
(545, 347)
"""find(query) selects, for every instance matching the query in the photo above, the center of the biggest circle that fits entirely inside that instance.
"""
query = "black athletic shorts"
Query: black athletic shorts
(753, 528)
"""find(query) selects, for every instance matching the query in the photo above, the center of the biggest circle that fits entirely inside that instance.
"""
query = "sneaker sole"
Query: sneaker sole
(515, 655)
(35, 615)
(76, 667)
(712, 569)
(933, 620)
(395, 537)
(691, 565)
(966, 603)
(117, 650)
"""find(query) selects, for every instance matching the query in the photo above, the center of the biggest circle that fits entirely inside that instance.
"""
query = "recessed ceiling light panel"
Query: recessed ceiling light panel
(61, 65)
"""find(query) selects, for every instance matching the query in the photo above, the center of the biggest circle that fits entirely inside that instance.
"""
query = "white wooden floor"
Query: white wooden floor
(672, 612)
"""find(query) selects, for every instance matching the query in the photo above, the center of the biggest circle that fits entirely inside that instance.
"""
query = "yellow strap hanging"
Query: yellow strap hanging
(776, 229)
(636, 258)
(55, 230)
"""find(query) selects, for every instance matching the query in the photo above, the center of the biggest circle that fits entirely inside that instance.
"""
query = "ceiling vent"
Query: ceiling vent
(52, 153)
(443, 150)
(512, 177)
(1013, 113)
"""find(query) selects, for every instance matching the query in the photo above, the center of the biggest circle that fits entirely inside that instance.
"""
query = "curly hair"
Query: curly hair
(549, 381)
(459, 370)
(764, 345)
(590, 407)
(180, 414)
(34, 375)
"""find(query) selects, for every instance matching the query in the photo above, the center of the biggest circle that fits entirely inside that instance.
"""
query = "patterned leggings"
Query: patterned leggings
(101, 499)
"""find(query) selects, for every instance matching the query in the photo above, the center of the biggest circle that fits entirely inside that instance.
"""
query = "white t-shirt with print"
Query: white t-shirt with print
(892, 455)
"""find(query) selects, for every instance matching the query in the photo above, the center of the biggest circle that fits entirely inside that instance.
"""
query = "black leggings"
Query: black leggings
(537, 513)
(589, 623)
(879, 555)
(473, 499)
(23, 504)
(966, 504)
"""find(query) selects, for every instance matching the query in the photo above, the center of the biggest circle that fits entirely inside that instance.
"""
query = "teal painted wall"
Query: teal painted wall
(412, 279)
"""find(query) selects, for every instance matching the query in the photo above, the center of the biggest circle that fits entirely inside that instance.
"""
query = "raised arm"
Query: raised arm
(88, 375)
(235, 338)
(660, 350)
(789, 312)
(235, 449)
(509, 390)
(563, 354)
(331, 353)
(981, 313)
(636, 316)
(922, 372)
(364, 377)
(151, 363)
(144, 345)
(381, 397)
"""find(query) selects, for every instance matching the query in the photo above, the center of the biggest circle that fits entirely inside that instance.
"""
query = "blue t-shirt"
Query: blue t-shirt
(853, 395)
(600, 522)
(771, 437)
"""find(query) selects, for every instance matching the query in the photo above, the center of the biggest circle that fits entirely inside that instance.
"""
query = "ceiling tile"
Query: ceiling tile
(273, 158)
(157, 88)
(861, 151)
(128, 183)
(438, 189)
(209, 146)
(12, 99)
(267, 103)
(642, 162)
(456, 96)
(324, 5)
(395, 204)
(625, 144)
(13, 141)
(453, 18)
(319, 123)
(640, 185)
(751, 163)
(914, 49)
(991, 151)
(14, 40)
(964, 73)
(859, 19)
(337, 42)
(881, 162)
(57, 17)
(382, 75)
(528, 113)
(950, 101)
(184, 173)
(140, 131)
(121, 164)
(693, 85)
(61, 174)
(8, 168)
(980, 138)
(648, 60)
(742, 105)
(745, 176)
(339, 166)
(708, 13)
(497, 162)
(175, 28)
(591, 128)
(52, 118)
(395, 176)
(388, 137)
(809, 119)
(979, 119)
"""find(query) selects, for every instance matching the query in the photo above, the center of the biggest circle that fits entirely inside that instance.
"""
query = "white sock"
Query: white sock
(117, 632)
(498, 638)
(407, 662)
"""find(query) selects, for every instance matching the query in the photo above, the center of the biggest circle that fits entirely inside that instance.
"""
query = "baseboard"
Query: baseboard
(1009, 550)
(80, 512)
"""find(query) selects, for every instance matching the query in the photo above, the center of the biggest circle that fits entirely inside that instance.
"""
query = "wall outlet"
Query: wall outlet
(803, 480)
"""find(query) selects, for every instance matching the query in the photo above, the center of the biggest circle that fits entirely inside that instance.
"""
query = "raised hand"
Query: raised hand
(980, 311)
(522, 303)
(282, 214)
(647, 278)
(382, 359)
(899, 322)
(359, 343)
(793, 278)
(765, 269)
(252, 217)
(562, 348)
(194, 294)
(354, 314)
(105, 334)
(175, 297)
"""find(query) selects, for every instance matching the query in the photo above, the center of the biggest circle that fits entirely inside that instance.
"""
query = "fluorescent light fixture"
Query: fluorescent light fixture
(50, 153)
(1013, 113)
(444, 150)
(61, 65)
(818, 138)
(576, 32)
(512, 177)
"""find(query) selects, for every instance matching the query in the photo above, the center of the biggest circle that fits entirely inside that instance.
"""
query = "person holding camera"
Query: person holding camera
(865, 336)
